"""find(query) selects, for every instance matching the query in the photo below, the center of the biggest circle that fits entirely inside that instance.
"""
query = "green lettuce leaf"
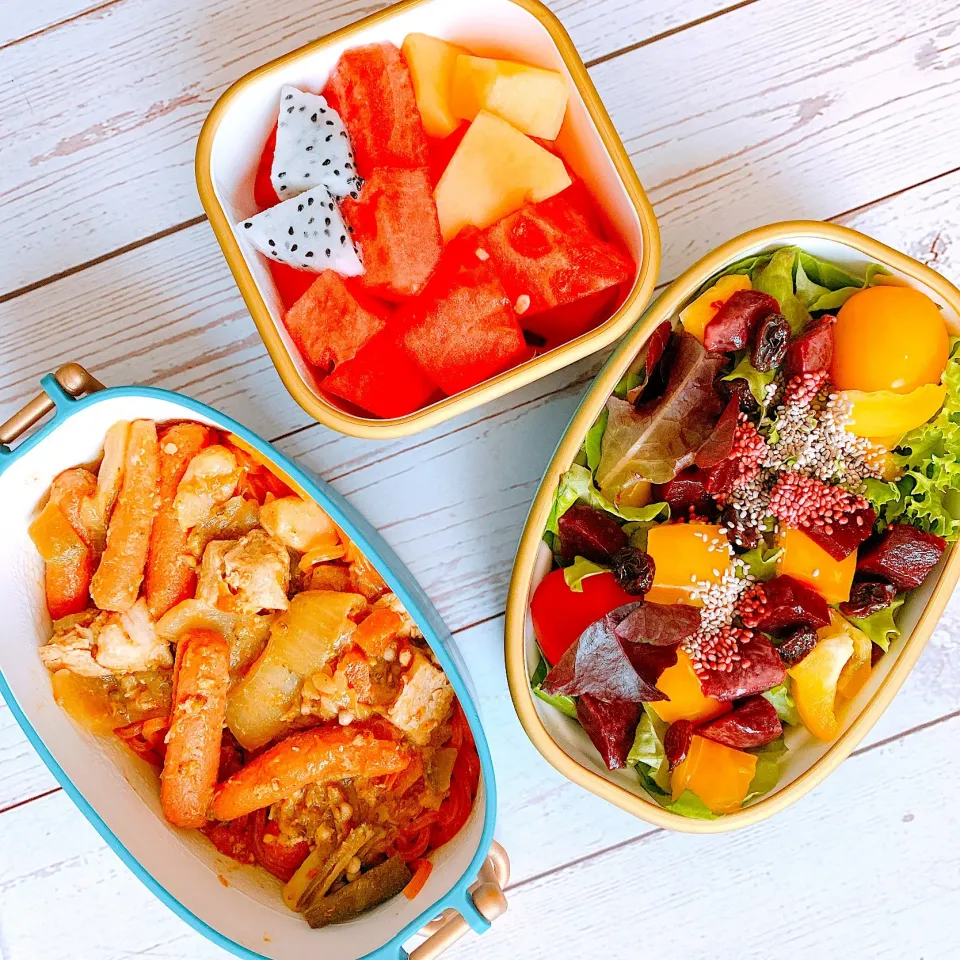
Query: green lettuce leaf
(767, 774)
(784, 703)
(798, 316)
(579, 570)
(761, 561)
(808, 291)
(594, 439)
(928, 493)
(826, 274)
(566, 705)
(688, 804)
(648, 749)
(577, 484)
(776, 278)
(757, 381)
(881, 627)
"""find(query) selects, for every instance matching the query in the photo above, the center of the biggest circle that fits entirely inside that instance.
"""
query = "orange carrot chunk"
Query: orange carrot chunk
(116, 583)
(374, 634)
(320, 755)
(196, 727)
(171, 573)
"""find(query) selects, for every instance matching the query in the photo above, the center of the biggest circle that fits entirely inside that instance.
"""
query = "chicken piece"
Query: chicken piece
(297, 524)
(425, 701)
(73, 645)
(245, 576)
(391, 601)
(128, 642)
(210, 479)
(101, 644)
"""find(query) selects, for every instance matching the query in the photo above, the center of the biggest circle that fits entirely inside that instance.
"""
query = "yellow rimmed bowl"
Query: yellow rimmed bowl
(561, 740)
(233, 136)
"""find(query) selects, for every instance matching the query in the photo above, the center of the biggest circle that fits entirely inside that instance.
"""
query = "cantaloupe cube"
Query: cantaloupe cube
(686, 556)
(719, 775)
(687, 699)
(495, 171)
(809, 563)
(431, 62)
(534, 100)
(698, 314)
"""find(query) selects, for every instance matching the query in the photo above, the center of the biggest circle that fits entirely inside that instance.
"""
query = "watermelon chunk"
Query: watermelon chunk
(372, 90)
(395, 225)
(381, 379)
(546, 252)
(291, 283)
(564, 323)
(333, 320)
(462, 328)
(264, 196)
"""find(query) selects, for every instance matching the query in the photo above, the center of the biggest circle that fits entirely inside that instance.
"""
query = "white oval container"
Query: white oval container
(561, 740)
(237, 907)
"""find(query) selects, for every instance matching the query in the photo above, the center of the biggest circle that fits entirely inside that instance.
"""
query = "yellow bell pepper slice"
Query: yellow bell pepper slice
(809, 563)
(687, 700)
(883, 413)
(815, 679)
(686, 557)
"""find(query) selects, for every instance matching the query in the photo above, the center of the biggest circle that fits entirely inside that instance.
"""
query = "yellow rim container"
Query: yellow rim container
(559, 739)
(234, 133)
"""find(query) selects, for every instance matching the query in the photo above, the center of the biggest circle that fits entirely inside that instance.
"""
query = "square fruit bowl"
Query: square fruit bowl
(560, 739)
(233, 139)
(238, 907)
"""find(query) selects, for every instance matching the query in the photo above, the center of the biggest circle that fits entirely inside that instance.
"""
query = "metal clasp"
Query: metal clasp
(73, 379)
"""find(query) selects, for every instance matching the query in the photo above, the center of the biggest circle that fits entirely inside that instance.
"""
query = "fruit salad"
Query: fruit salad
(774, 474)
(227, 632)
(422, 228)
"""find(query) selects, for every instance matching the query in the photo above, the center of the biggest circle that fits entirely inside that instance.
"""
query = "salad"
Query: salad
(421, 226)
(228, 633)
(774, 474)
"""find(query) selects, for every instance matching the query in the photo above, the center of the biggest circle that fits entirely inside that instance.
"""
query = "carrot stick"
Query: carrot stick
(196, 726)
(420, 876)
(117, 581)
(320, 755)
(68, 564)
(171, 574)
(374, 634)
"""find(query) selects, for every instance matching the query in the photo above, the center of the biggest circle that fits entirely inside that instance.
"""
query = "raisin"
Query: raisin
(590, 533)
(770, 345)
(634, 570)
(676, 741)
(868, 597)
(740, 389)
(742, 536)
(797, 645)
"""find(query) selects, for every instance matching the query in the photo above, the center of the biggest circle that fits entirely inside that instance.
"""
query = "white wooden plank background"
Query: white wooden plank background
(734, 115)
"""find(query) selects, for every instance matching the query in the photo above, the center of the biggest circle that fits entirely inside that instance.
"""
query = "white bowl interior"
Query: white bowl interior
(492, 28)
(242, 903)
(804, 749)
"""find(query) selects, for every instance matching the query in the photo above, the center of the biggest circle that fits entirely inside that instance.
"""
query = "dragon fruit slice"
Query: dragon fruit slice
(312, 147)
(306, 232)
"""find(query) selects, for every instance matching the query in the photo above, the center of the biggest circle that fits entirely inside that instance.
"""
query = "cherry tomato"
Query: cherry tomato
(560, 614)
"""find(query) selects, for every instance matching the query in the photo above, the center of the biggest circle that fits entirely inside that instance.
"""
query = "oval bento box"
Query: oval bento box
(233, 136)
(561, 740)
(237, 907)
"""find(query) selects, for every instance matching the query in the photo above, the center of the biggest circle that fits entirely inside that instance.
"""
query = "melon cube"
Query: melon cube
(333, 320)
(462, 328)
(381, 379)
(431, 62)
(547, 256)
(532, 99)
(395, 226)
(371, 89)
(495, 171)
